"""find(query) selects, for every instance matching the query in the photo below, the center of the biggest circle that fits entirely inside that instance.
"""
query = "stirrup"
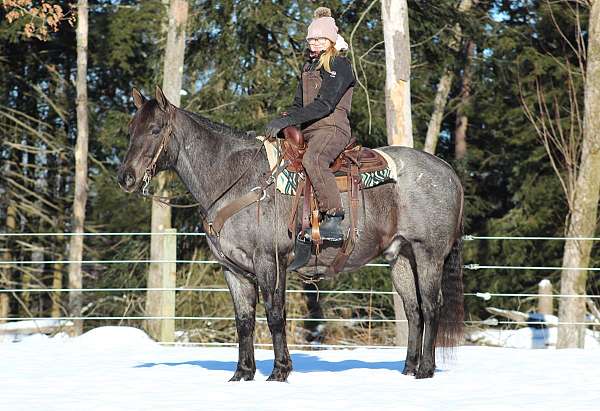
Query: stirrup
(333, 224)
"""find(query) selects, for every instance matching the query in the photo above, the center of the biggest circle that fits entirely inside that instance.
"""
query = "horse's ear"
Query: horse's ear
(161, 99)
(138, 98)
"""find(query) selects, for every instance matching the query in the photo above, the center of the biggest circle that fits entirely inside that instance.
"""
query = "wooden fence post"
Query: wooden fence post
(162, 303)
(545, 302)
(4, 307)
(169, 280)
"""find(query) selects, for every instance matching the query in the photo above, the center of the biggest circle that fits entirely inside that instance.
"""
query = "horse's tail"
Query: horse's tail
(451, 320)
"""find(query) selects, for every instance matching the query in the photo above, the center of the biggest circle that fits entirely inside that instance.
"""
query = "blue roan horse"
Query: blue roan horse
(414, 222)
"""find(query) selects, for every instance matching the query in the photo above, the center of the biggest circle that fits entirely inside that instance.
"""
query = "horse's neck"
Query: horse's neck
(209, 162)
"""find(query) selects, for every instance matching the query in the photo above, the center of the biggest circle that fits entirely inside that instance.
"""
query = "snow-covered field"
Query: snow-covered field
(120, 368)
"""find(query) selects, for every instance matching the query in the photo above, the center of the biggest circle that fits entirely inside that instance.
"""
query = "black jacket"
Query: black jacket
(333, 87)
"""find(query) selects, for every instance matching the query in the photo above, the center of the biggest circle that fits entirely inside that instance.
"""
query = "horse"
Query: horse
(414, 222)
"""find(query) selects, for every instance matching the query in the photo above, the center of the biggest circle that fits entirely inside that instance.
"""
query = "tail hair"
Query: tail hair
(451, 319)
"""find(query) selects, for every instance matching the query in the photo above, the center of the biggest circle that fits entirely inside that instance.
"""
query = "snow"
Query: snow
(16, 331)
(16, 326)
(527, 337)
(121, 368)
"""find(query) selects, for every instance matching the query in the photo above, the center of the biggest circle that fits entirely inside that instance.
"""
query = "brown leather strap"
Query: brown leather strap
(306, 205)
(354, 186)
(342, 256)
(296, 202)
(315, 234)
(214, 228)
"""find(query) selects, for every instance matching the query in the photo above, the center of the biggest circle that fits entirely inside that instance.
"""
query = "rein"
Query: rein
(257, 193)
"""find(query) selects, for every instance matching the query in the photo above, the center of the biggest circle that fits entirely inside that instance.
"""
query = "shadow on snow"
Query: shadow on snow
(302, 363)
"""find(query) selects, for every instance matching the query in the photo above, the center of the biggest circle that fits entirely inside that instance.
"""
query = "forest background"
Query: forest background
(242, 60)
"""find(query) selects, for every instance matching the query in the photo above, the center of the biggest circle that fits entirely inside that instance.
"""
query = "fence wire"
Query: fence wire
(482, 295)
(264, 319)
(472, 266)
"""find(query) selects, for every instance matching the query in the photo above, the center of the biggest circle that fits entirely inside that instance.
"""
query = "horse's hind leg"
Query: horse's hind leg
(404, 282)
(273, 293)
(429, 268)
(243, 293)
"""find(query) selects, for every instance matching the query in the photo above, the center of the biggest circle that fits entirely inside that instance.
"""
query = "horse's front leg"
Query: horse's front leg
(273, 293)
(243, 292)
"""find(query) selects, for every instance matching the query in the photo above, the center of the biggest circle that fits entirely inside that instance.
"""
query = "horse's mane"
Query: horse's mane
(218, 128)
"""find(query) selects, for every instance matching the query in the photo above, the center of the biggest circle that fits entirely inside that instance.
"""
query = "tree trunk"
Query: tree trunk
(397, 101)
(443, 88)
(81, 168)
(6, 271)
(397, 66)
(462, 121)
(582, 221)
(435, 122)
(161, 214)
(55, 310)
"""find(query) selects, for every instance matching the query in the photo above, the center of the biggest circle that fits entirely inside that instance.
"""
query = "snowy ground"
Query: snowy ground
(119, 368)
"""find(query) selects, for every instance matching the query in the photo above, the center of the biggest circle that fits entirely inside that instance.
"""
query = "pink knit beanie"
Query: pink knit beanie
(323, 25)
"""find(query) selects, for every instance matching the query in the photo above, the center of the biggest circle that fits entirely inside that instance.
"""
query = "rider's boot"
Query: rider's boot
(331, 226)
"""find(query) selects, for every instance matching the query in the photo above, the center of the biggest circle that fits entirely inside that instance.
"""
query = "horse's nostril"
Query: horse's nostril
(129, 180)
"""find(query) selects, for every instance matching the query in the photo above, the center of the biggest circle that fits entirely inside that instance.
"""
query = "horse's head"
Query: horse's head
(149, 134)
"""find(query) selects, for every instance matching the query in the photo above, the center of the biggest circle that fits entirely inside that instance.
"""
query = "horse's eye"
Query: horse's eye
(155, 130)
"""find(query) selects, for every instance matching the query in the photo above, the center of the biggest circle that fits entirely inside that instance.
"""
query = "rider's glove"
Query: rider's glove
(275, 126)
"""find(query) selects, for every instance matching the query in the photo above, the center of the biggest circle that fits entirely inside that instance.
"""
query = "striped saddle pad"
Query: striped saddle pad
(287, 181)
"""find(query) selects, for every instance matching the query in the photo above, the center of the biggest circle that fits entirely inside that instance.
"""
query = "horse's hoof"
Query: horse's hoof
(245, 375)
(424, 372)
(279, 375)
(409, 370)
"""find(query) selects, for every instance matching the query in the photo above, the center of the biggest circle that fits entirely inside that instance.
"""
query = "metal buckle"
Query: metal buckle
(264, 193)
(147, 178)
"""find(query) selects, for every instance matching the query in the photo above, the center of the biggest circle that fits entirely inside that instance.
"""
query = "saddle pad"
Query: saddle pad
(287, 181)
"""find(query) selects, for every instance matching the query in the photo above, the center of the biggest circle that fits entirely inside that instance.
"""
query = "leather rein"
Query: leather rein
(213, 228)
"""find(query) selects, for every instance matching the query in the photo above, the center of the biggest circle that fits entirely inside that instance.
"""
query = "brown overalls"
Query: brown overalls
(327, 138)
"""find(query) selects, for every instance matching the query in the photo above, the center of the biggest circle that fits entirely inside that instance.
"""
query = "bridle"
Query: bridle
(166, 136)
(167, 132)
(213, 228)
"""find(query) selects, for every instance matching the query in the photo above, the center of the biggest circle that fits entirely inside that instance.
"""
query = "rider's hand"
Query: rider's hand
(275, 126)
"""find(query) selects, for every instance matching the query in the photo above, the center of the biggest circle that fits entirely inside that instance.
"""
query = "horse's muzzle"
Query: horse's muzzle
(127, 180)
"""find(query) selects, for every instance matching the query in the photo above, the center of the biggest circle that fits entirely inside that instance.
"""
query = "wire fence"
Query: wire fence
(483, 295)
(307, 319)
(472, 266)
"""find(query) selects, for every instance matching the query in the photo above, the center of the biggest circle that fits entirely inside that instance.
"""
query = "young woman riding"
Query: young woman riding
(321, 108)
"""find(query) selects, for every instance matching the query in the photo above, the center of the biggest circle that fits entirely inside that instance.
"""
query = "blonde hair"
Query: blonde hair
(326, 57)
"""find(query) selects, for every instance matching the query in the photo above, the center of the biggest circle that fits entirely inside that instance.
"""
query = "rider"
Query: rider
(321, 107)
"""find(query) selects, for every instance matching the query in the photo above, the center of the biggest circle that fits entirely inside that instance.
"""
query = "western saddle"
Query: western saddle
(348, 167)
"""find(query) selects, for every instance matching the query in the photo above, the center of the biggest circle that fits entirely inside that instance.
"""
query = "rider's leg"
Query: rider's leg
(324, 145)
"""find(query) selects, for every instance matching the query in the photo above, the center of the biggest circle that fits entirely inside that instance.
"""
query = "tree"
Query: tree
(397, 102)
(443, 87)
(583, 213)
(462, 120)
(397, 66)
(42, 17)
(161, 214)
(571, 144)
(81, 166)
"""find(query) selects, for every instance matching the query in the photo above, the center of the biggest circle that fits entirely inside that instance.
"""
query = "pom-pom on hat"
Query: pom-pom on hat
(323, 25)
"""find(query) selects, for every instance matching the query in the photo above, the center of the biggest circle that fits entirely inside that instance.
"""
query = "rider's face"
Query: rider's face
(318, 44)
